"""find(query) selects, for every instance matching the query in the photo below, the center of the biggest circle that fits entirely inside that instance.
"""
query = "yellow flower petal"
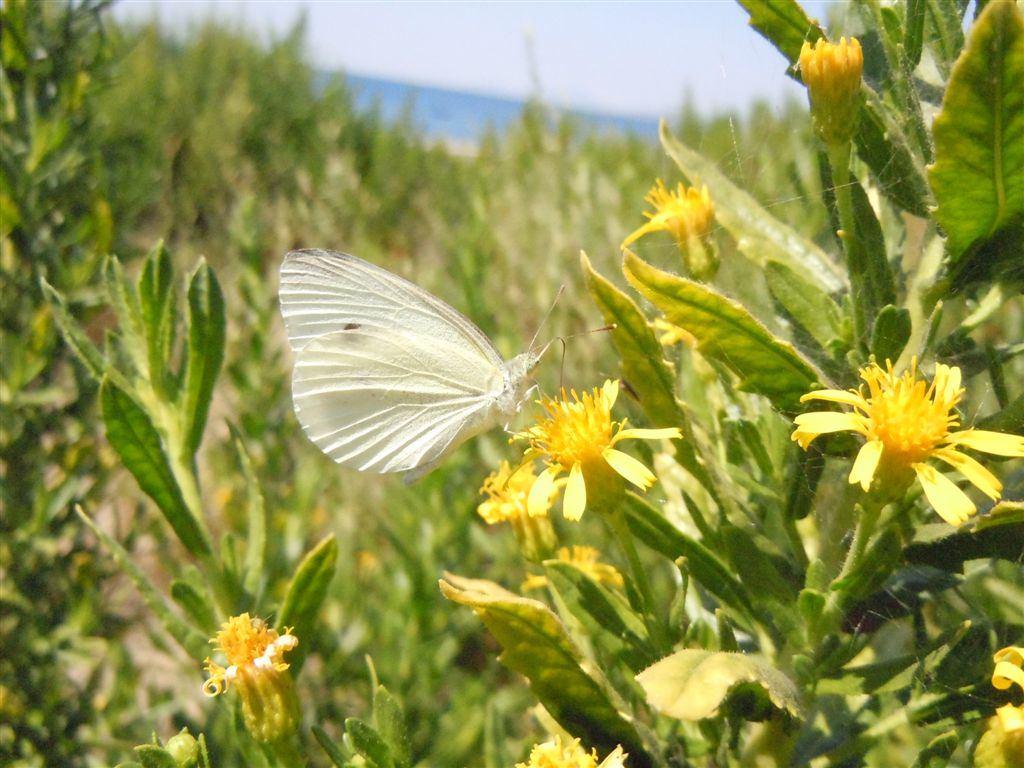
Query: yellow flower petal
(610, 391)
(842, 396)
(575, 500)
(980, 477)
(810, 425)
(949, 501)
(631, 469)
(636, 234)
(668, 433)
(1006, 674)
(864, 467)
(540, 494)
(998, 443)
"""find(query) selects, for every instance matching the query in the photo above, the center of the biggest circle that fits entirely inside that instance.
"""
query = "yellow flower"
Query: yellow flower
(906, 421)
(255, 656)
(555, 754)
(1002, 744)
(669, 334)
(586, 560)
(832, 74)
(507, 493)
(579, 437)
(685, 213)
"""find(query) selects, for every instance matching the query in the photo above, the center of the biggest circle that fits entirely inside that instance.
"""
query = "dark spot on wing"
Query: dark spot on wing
(351, 326)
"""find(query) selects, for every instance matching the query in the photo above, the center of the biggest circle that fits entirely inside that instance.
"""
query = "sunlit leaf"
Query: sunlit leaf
(307, 591)
(156, 300)
(537, 646)
(132, 434)
(978, 174)
(727, 332)
(783, 23)
(206, 328)
(696, 684)
(390, 724)
(368, 743)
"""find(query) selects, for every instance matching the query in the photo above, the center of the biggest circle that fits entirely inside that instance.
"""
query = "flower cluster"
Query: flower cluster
(906, 422)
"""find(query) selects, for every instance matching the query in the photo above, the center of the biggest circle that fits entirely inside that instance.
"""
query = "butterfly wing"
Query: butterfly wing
(380, 400)
(324, 292)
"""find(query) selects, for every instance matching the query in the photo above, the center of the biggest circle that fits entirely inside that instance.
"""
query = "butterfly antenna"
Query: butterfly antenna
(547, 316)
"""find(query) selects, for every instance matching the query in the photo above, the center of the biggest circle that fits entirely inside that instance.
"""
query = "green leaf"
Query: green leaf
(152, 756)
(883, 145)
(939, 751)
(727, 332)
(978, 174)
(125, 301)
(195, 604)
(536, 645)
(330, 747)
(811, 307)
(599, 608)
(72, 332)
(206, 328)
(137, 442)
(256, 540)
(913, 33)
(890, 333)
(307, 591)
(651, 527)
(760, 236)
(784, 24)
(156, 299)
(871, 276)
(696, 684)
(390, 723)
(195, 644)
(1000, 533)
(368, 743)
(644, 366)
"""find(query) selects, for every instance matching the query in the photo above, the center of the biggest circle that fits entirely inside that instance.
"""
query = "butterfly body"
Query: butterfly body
(389, 378)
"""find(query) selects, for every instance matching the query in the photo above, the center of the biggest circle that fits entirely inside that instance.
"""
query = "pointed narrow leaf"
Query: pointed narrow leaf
(783, 23)
(726, 332)
(651, 527)
(195, 605)
(884, 146)
(806, 302)
(978, 174)
(390, 724)
(72, 332)
(256, 540)
(156, 300)
(195, 644)
(125, 301)
(1000, 533)
(328, 745)
(759, 235)
(644, 366)
(307, 591)
(695, 684)
(537, 646)
(368, 743)
(131, 433)
(205, 351)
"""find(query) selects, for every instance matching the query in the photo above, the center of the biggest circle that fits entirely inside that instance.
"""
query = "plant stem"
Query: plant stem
(839, 165)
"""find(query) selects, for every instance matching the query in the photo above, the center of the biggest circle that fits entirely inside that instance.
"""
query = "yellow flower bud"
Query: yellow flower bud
(832, 73)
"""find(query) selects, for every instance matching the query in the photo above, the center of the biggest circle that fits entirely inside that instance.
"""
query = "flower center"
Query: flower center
(909, 417)
(577, 432)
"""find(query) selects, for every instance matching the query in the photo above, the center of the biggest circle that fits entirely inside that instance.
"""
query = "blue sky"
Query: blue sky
(638, 58)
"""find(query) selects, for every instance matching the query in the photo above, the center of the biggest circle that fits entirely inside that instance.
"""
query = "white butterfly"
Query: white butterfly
(389, 378)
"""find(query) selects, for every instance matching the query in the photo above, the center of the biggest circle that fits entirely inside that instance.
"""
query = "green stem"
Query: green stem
(656, 626)
(837, 601)
(839, 163)
(285, 753)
